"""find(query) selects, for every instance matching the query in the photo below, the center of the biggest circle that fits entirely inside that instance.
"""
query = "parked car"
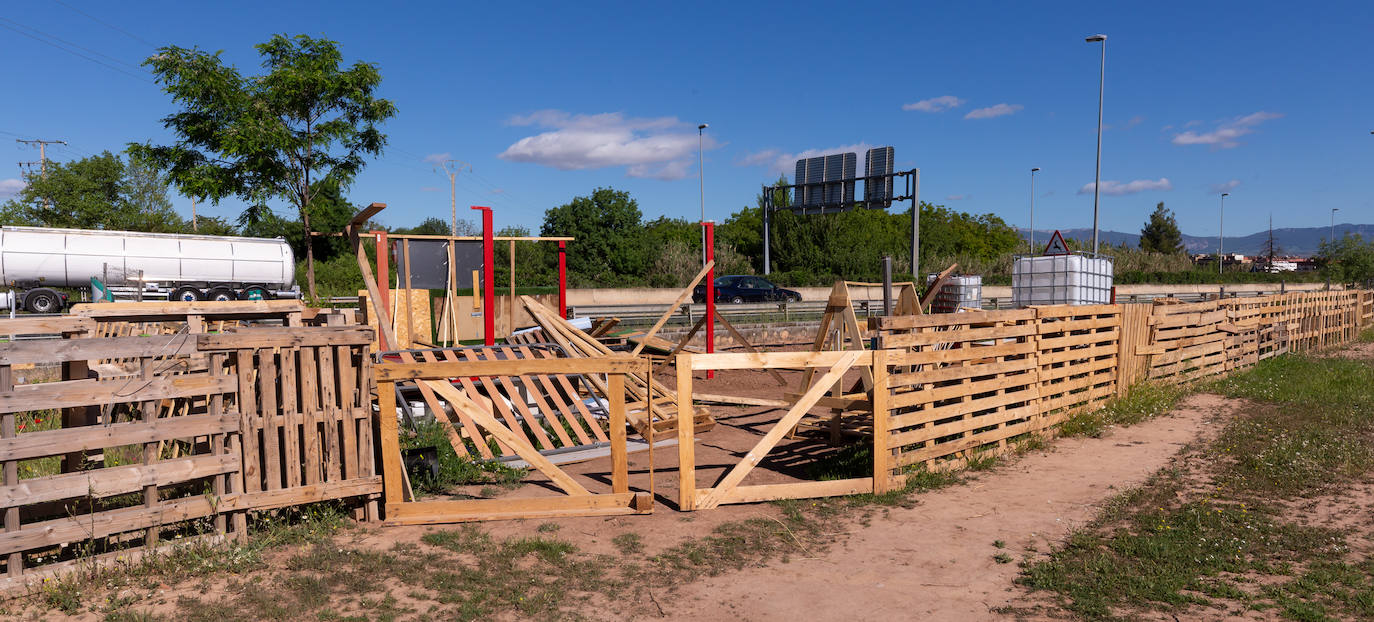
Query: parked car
(742, 288)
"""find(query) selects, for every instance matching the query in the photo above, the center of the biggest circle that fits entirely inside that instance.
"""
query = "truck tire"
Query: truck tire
(43, 300)
(255, 293)
(186, 293)
(221, 294)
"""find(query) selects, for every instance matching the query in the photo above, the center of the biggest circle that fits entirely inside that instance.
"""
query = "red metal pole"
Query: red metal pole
(562, 279)
(710, 293)
(488, 278)
(383, 282)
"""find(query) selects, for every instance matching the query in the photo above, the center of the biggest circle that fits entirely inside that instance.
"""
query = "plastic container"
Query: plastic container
(1061, 279)
(958, 292)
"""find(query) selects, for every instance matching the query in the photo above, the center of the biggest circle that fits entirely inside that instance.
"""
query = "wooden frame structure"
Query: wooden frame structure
(729, 489)
(577, 499)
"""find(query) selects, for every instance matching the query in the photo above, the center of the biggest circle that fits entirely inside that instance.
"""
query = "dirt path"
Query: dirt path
(935, 561)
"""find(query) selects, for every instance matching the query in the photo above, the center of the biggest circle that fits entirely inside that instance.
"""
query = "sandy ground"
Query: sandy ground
(935, 560)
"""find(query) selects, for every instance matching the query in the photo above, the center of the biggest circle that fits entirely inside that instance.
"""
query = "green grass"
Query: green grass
(1215, 530)
(1144, 401)
(454, 470)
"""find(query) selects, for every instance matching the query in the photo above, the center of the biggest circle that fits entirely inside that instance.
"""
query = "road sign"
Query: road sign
(1056, 245)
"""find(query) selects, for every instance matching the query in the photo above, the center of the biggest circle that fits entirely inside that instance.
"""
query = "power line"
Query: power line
(108, 25)
(70, 51)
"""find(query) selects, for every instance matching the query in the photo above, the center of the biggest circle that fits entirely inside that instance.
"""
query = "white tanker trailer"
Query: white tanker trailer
(133, 265)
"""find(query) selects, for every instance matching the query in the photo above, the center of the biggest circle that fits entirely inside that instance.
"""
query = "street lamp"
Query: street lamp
(1221, 240)
(1032, 220)
(701, 177)
(1331, 237)
(1101, 82)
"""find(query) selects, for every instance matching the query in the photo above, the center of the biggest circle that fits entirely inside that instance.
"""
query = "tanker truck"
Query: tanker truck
(129, 265)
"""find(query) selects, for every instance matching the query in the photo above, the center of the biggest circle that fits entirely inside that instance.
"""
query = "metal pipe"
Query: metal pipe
(1097, 179)
(887, 285)
(1032, 214)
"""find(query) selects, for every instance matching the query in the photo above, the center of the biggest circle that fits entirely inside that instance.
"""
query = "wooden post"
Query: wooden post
(390, 445)
(882, 455)
(510, 315)
(615, 393)
(15, 563)
(686, 451)
(410, 312)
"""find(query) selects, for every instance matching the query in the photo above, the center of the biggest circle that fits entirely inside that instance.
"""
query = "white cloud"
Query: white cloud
(659, 148)
(935, 104)
(994, 111)
(1227, 133)
(1116, 188)
(437, 159)
(1226, 186)
(781, 162)
(10, 187)
(958, 197)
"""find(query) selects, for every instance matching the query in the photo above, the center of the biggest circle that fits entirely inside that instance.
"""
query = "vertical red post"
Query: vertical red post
(488, 279)
(563, 279)
(710, 292)
(383, 282)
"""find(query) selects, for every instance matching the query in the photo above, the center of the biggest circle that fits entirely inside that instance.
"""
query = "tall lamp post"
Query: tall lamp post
(701, 176)
(1032, 224)
(1221, 240)
(1101, 82)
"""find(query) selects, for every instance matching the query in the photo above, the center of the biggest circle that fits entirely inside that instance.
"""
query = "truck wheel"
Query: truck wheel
(186, 293)
(255, 293)
(221, 294)
(43, 300)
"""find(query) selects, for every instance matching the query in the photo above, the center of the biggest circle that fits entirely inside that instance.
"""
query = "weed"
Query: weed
(981, 461)
(1002, 558)
(547, 527)
(1001, 544)
(629, 543)
(1144, 401)
(454, 470)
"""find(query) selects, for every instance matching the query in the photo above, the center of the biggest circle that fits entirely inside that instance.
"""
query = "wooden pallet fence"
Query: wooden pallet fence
(729, 488)
(465, 400)
(1133, 367)
(1077, 354)
(957, 385)
(1186, 341)
(167, 457)
(141, 492)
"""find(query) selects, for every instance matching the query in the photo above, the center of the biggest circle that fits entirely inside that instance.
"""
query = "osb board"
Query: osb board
(421, 317)
(470, 317)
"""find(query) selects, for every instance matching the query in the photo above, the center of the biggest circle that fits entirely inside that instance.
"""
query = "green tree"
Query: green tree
(1161, 234)
(1349, 260)
(609, 233)
(272, 136)
(97, 192)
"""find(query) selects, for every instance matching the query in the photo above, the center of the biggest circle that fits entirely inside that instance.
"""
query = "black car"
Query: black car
(738, 289)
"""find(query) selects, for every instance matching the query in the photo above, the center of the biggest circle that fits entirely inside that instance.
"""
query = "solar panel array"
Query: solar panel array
(826, 180)
(878, 192)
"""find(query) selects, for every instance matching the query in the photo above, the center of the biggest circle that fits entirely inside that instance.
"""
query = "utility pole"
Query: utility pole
(42, 158)
(452, 167)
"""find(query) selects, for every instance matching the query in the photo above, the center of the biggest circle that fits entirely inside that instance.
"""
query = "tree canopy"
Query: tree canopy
(290, 134)
(1349, 260)
(97, 192)
(1161, 234)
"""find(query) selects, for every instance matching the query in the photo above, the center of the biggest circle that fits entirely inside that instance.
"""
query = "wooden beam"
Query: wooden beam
(935, 287)
(745, 342)
(512, 367)
(686, 293)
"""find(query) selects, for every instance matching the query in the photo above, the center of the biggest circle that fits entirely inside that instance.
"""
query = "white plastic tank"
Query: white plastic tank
(958, 292)
(1061, 279)
(70, 257)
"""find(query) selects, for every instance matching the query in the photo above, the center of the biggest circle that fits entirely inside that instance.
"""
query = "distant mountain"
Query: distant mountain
(1292, 241)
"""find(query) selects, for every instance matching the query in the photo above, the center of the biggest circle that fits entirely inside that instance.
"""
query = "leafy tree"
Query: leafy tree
(272, 136)
(439, 226)
(98, 192)
(1161, 234)
(213, 225)
(609, 234)
(1348, 260)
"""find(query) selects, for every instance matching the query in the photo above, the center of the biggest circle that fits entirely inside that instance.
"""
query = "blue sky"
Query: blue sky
(547, 101)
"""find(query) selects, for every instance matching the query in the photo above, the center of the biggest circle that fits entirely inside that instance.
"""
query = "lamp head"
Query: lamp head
(703, 126)
(1035, 169)
(1225, 194)
(1096, 38)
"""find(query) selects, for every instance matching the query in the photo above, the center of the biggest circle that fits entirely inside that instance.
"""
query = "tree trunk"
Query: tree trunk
(309, 257)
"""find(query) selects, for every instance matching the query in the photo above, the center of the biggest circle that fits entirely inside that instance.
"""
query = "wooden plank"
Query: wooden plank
(46, 325)
(74, 393)
(343, 362)
(56, 442)
(330, 409)
(392, 471)
(269, 407)
(881, 482)
(98, 483)
(761, 360)
(109, 311)
(310, 416)
(673, 308)
(452, 369)
(907, 340)
(936, 286)
(61, 350)
(906, 322)
(291, 427)
(686, 448)
(287, 337)
(574, 396)
(739, 338)
(313, 493)
(793, 490)
(14, 563)
(439, 512)
(713, 398)
(956, 355)
(620, 478)
(782, 428)
(248, 427)
(550, 396)
(493, 403)
(474, 433)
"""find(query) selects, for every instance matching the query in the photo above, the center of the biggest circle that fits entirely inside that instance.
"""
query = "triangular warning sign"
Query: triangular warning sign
(1056, 245)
